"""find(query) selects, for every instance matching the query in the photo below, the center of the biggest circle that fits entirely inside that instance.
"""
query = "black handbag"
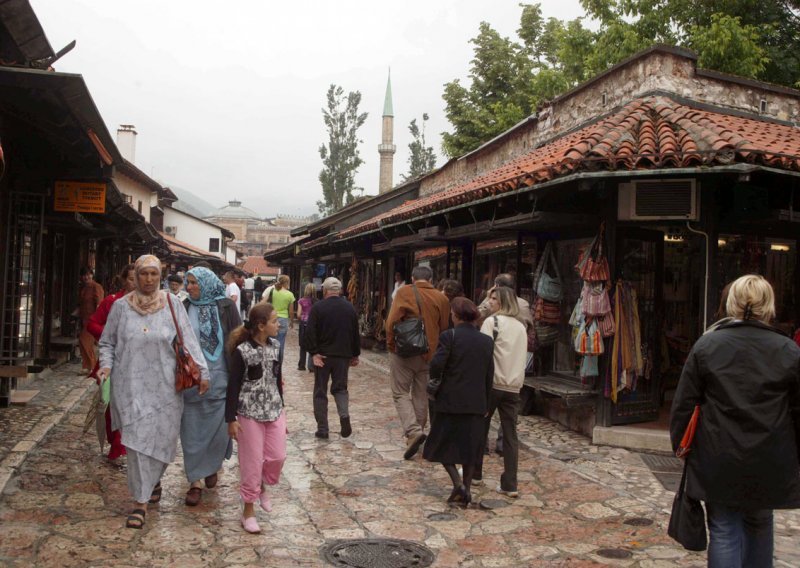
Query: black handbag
(435, 383)
(687, 523)
(409, 335)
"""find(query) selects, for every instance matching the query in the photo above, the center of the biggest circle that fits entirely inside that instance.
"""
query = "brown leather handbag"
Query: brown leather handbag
(187, 373)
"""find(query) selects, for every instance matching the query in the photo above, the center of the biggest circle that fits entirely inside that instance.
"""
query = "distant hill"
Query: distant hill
(189, 203)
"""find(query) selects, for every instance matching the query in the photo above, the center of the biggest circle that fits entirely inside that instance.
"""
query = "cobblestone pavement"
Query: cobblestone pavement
(65, 505)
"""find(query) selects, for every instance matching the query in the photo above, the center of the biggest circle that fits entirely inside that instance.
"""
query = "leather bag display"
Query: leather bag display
(409, 334)
(549, 286)
(187, 373)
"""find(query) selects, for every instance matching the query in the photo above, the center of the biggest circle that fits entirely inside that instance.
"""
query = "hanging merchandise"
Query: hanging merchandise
(627, 363)
(606, 324)
(577, 314)
(549, 286)
(546, 312)
(595, 299)
(546, 334)
(593, 264)
(352, 285)
(589, 340)
(589, 367)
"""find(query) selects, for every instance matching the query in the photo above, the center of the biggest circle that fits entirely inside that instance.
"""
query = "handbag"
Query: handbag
(593, 265)
(546, 334)
(595, 299)
(409, 335)
(687, 523)
(589, 340)
(435, 383)
(187, 373)
(549, 287)
(607, 325)
(545, 311)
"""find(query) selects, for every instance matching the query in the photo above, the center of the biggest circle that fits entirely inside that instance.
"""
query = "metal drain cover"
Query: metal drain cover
(615, 553)
(493, 504)
(638, 522)
(442, 517)
(378, 553)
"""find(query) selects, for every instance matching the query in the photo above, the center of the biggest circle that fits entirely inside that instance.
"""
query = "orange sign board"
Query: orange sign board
(80, 197)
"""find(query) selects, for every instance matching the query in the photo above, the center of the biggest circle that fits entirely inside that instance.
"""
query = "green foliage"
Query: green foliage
(421, 158)
(340, 158)
(758, 39)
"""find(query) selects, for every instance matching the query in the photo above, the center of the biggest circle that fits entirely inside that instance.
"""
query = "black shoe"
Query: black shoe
(346, 428)
(322, 435)
(414, 445)
(300, 368)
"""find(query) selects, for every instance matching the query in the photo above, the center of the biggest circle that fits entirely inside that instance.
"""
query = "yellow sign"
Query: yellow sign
(80, 197)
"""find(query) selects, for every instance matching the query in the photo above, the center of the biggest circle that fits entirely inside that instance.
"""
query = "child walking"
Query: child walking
(254, 409)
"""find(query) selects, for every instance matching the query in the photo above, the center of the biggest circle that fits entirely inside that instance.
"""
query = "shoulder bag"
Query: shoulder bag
(187, 373)
(687, 523)
(435, 383)
(409, 335)
(549, 287)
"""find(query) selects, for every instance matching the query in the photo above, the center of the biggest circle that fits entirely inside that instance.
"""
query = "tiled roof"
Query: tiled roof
(184, 248)
(653, 132)
(257, 265)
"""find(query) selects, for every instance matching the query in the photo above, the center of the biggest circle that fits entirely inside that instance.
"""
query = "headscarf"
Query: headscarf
(142, 303)
(211, 290)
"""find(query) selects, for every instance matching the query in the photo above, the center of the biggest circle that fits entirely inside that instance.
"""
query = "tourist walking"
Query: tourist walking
(175, 283)
(232, 289)
(744, 457)
(303, 311)
(137, 347)
(126, 280)
(258, 289)
(283, 299)
(464, 367)
(510, 347)
(254, 409)
(333, 341)
(89, 298)
(204, 432)
(410, 374)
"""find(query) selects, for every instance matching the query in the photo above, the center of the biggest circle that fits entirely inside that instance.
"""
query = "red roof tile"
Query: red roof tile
(257, 265)
(648, 133)
(184, 248)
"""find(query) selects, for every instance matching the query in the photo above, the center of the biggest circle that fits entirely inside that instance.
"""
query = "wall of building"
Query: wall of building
(137, 191)
(192, 231)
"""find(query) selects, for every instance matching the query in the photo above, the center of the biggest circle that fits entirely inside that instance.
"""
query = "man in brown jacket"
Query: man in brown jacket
(410, 375)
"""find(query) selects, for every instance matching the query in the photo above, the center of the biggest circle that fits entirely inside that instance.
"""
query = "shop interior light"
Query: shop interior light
(673, 239)
(779, 247)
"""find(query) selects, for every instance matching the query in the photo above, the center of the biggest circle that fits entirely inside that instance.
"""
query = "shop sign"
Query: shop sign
(80, 197)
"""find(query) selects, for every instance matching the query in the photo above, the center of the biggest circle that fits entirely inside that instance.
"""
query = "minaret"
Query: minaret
(386, 148)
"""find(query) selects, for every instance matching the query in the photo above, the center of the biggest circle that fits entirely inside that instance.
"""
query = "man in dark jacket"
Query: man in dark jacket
(334, 343)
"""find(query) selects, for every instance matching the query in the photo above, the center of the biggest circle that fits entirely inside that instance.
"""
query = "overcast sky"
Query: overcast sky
(226, 97)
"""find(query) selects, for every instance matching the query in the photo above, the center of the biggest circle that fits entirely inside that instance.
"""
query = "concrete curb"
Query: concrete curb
(19, 453)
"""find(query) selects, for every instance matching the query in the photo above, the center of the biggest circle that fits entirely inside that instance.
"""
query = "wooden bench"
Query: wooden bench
(8, 381)
(573, 394)
(64, 344)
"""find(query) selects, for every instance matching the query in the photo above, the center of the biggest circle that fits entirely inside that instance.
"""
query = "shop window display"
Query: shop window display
(493, 258)
(436, 259)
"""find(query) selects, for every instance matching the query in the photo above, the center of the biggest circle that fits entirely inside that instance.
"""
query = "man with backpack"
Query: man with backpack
(418, 315)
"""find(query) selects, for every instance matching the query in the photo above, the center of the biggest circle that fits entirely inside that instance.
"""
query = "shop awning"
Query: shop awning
(648, 134)
(185, 249)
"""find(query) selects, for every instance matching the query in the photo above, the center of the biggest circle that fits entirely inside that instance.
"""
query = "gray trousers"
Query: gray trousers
(409, 392)
(335, 369)
(144, 473)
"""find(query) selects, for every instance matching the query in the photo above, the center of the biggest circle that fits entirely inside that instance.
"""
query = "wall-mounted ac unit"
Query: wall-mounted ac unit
(658, 200)
(171, 230)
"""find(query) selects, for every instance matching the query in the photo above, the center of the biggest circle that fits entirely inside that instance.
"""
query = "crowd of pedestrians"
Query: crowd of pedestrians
(465, 363)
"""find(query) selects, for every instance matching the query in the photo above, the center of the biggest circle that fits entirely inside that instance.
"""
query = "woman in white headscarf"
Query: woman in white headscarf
(137, 345)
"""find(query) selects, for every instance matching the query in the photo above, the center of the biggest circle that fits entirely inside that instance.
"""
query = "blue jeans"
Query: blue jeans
(283, 329)
(739, 537)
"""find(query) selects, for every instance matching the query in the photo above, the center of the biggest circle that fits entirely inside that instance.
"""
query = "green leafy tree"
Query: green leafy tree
(421, 158)
(340, 157)
(726, 45)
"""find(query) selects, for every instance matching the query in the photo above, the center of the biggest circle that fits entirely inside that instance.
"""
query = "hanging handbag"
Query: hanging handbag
(546, 334)
(607, 325)
(409, 334)
(546, 312)
(577, 314)
(549, 287)
(589, 340)
(187, 373)
(595, 299)
(435, 383)
(593, 265)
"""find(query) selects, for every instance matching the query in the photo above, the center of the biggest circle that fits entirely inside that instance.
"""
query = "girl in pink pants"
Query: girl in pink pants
(254, 409)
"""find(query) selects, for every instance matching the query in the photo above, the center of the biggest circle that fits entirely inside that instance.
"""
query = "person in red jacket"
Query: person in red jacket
(95, 325)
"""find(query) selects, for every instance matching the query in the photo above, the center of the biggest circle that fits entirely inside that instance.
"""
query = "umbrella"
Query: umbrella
(97, 414)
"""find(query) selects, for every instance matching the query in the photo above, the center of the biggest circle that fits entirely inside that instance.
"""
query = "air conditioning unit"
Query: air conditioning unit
(658, 200)
(171, 230)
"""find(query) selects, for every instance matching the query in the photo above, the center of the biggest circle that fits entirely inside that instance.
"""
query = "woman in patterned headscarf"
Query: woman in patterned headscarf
(137, 344)
(204, 433)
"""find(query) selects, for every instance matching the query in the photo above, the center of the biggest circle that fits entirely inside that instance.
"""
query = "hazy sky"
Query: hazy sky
(226, 97)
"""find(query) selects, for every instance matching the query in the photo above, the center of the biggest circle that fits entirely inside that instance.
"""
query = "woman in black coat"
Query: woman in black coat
(465, 365)
(745, 375)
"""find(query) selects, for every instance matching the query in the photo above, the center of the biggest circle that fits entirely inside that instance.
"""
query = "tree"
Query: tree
(758, 39)
(340, 158)
(421, 158)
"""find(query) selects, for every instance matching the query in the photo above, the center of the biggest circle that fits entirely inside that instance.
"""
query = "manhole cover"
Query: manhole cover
(442, 517)
(493, 504)
(638, 522)
(615, 553)
(377, 552)
(662, 464)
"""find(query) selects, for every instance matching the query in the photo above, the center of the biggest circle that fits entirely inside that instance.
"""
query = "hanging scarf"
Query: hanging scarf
(211, 290)
(142, 303)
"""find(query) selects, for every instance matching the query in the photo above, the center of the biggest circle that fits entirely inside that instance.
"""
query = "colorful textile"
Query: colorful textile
(211, 290)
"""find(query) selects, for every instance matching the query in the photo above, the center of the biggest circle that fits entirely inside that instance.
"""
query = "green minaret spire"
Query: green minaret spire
(387, 103)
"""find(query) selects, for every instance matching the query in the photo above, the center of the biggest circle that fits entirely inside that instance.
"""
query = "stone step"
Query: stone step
(633, 438)
(22, 397)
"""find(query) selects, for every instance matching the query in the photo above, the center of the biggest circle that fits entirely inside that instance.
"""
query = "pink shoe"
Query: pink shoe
(250, 524)
(266, 504)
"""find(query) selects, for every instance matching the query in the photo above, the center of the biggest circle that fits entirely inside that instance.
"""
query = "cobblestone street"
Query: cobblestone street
(65, 504)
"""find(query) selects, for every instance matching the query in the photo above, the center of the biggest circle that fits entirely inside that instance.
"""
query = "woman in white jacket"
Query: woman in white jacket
(510, 349)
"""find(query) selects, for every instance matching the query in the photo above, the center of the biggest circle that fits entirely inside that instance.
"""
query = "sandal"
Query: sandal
(136, 519)
(193, 496)
(155, 496)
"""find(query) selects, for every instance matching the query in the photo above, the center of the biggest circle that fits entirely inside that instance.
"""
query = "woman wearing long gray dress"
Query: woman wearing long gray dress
(137, 346)
(204, 432)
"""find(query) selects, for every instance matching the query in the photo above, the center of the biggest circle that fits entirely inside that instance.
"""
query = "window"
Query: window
(436, 259)
(213, 245)
(493, 258)
(140, 206)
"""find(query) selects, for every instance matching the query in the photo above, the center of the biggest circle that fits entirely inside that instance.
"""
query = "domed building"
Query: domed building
(255, 235)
